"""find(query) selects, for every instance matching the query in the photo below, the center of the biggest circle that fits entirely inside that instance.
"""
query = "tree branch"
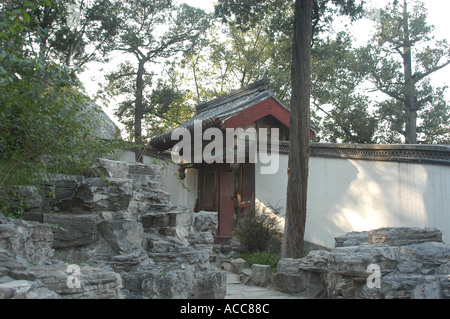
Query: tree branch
(392, 94)
(419, 76)
(428, 99)
(116, 77)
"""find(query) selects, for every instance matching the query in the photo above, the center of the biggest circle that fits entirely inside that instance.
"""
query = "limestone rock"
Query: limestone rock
(30, 196)
(430, 289)
(237, 265)
(123, 236)
(316, 260)
(261, 275)
(13, 236)
(119, 169)
(245, 276)
(306, 275)
(386, 263)
(206, 222)
(59, 192)
(118, 220)
(23, 289)
(403, 236)
(169, 284)
(416, 266)
(40, 243)
(14, 266)
(354, 260)
(168, 220)
(352, 239)
(70, 230)
(146, 190)
(108, 168)
(29, 240)
(152, 171)
(94, 283)
(98, 194)
(210, 285)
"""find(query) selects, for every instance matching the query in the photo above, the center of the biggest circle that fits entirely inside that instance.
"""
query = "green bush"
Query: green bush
(41, 109)
(254, 230)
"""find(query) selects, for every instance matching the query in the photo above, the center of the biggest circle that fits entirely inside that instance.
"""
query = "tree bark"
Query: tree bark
(410, 89)
(299, 150)
(139, 110)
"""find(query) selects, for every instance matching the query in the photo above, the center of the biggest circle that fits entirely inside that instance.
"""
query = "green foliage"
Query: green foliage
(269, 23)
(42, 113)
(230, 58)
(152, 32)
(435, 125)
(398, 61)
(336, 76)
(342, 110)
(262, 258)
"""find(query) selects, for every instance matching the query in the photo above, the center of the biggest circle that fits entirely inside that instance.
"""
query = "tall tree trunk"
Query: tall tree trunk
(410, 89)
(139, 111)
(299, 132)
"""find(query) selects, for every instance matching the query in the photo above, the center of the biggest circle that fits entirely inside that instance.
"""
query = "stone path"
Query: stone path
(235, 290)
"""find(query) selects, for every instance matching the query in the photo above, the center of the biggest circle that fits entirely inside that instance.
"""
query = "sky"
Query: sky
(438, 15)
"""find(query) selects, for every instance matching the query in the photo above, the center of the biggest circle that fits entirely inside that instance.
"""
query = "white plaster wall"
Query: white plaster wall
(353, 195)
(271, 189)
(183, 192)
(357, 195)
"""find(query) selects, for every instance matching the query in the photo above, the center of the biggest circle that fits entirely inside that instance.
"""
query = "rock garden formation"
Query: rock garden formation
(113, 234)
(386, 263)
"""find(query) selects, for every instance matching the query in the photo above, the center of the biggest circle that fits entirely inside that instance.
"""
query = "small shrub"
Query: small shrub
(254, 230)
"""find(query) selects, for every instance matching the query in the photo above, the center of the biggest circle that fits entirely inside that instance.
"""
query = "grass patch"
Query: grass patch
(262, 258)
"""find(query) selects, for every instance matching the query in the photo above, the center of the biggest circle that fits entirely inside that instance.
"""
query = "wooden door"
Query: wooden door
(210, 191)
(226, 205)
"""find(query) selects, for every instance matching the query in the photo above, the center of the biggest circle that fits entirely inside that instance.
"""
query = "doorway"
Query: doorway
(218, 194)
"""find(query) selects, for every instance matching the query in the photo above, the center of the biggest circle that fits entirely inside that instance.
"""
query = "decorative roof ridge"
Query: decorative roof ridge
(258, 86)
(420, 153)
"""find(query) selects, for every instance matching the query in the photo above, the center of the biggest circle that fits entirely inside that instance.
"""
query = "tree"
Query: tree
(336, 78)
(334, 72)
(299, 129)
(231, 57)
(260, 39)
(41, 108)
(304, 23)
(73, 32)
(399, 60)
(151, 31)
(169, 105)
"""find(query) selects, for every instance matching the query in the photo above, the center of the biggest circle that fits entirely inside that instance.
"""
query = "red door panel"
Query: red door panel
(226, 204)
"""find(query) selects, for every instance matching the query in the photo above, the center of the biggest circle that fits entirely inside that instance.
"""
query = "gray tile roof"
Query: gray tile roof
(217, 111)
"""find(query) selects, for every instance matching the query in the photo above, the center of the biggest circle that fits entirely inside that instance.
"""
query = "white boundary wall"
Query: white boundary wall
(345, 194)
(359, 195)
